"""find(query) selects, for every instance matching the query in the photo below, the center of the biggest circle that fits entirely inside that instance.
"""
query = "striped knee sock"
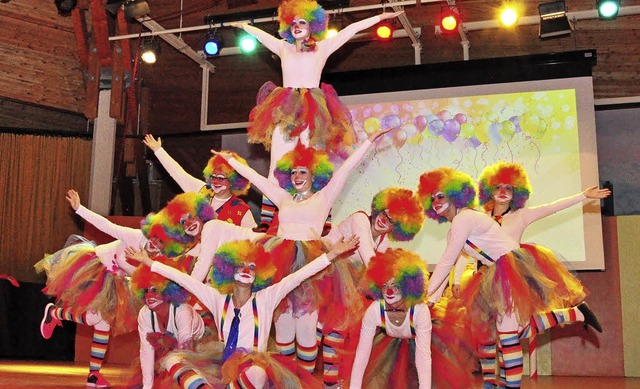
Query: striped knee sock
(99, 345)
(511, 358)
(544, 321)
(267, 211)
(307, 357)
(488, 363)
(187, 378)
(243, 382)
(287, 349)
(67, 314)
(330, 344)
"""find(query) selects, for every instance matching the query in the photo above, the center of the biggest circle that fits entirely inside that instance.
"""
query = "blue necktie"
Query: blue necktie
(232, 339)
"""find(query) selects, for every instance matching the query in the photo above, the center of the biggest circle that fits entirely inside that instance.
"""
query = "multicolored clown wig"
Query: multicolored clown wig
(153, 227)
(403, 208)
(308, 10)
(457, 186)
(504, 173)
(143, 279)
(317, 161)
(407, 269)
(232, 255)
(172, 215)
(239, 185)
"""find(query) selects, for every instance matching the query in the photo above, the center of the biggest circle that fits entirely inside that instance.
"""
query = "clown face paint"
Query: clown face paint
(440, 202)
(301, 179)
(246, 273)
(152, 298)
(503, 194)
(300, 29)
(382, 223)
(192, 225)
(220, 183)
(154, 246)
(391, 293)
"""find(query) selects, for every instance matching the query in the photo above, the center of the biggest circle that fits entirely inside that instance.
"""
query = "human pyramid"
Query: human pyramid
(378, 316)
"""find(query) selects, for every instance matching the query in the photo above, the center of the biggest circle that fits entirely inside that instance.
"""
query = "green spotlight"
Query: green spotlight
(248, 44)
(608, 9)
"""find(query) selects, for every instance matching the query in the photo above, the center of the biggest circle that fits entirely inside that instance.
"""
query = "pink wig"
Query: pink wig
(457, 186)
(504, 173)
(403, 208)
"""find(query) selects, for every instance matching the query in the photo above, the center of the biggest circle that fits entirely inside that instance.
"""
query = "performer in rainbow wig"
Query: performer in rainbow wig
(90, 285)
(302, 109)
(397, 280)
(166, 321)
(306, 193)
(396, 215)
(243, 302)
(503, 190)
(503, 296)
(222, 184)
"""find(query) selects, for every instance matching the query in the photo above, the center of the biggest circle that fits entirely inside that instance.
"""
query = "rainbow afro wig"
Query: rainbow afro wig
(143, 279)
(172, 215)
(231, 255)
(407, 269)
(308, 10)
(504, 173)
(317, 161)
(457, 186)
(403, 208)
(239, 185)
(153, 227)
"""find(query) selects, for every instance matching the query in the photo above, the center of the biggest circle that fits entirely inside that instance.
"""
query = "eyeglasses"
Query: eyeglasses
(219, 177)
(386, 215)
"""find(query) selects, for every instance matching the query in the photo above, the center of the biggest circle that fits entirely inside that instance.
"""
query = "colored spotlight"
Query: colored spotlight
(449, 20)
(211, 46)
(508, 16)
(608, 9)
(247, 44)
(384, 32)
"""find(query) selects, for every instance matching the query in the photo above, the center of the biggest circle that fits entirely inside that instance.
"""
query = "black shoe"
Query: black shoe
(263, 227)
(589, 317)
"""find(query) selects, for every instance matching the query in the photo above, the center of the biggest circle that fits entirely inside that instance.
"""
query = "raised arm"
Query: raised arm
(269, 41)
(206, 294)
(131, 236)
(186, 181)
(268, 188)
(335, 42)
(536, 213)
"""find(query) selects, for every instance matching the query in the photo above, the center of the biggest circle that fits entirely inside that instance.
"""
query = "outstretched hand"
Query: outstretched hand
(224, 154)
(593, 192)
(74, 199)
(138, 255)
(390, 15)
(152, 143)
(375, 135)
(342, 246)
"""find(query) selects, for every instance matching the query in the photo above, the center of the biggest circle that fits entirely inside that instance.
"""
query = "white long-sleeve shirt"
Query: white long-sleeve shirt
(112, 254)
(304, 220)
(358, 224)
(189, 183)
(479, 229)
(266, 301)
(514, 223)
(372, 320)
(303, 69)
(184, 325)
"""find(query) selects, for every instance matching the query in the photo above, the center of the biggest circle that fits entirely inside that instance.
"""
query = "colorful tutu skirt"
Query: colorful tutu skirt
(526, 281)
(295, 109)
(79, 281)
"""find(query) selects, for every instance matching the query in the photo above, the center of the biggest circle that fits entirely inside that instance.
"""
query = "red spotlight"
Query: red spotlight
(449, 20)
(384, 31)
